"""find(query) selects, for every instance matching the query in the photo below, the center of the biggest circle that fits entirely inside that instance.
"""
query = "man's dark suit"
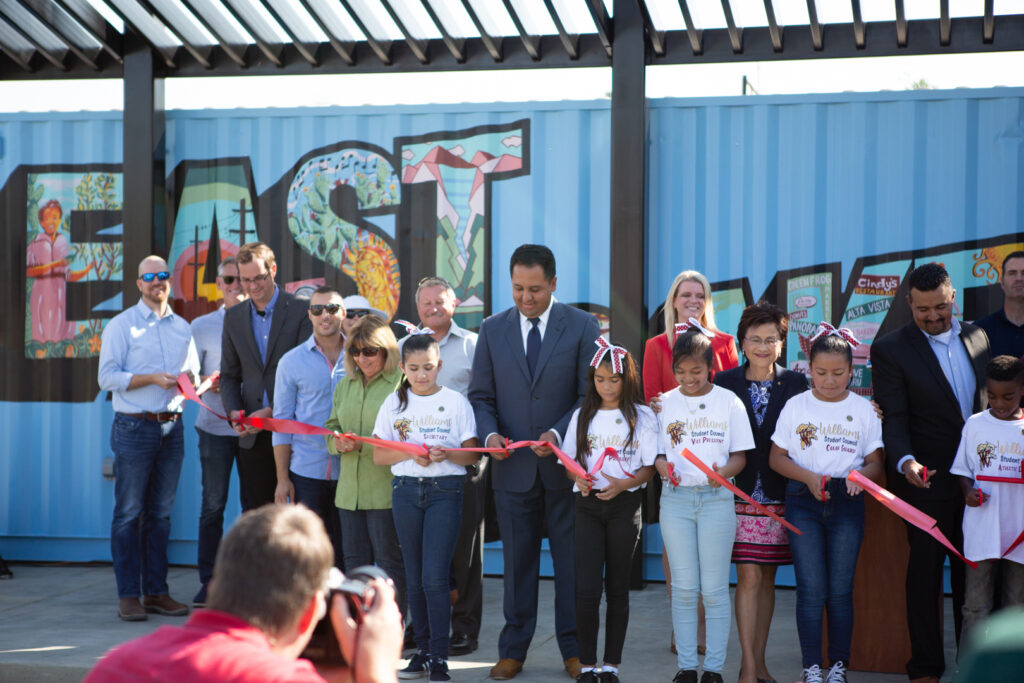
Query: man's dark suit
(244, 378)
(529, 490)
(922, 418)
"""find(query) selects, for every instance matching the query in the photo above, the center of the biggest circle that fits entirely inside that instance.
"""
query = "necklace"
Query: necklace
(689, 406)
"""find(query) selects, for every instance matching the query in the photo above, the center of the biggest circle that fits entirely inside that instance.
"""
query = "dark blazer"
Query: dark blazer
(921, 414)
(243, 375)
(787, 384)
(507, 402)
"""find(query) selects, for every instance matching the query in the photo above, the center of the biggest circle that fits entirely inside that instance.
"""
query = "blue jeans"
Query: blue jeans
(216, 455)
(698, 525)
(824, 561)
(318, 496)
(369, 537)
(147, 462)
(428, 516)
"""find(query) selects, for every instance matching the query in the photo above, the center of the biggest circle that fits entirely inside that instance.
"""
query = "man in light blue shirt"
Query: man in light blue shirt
(303, 391)
(218, 442)
(143, 351)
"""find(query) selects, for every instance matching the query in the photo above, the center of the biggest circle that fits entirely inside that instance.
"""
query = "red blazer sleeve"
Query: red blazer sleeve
(658, 377)
(724, 350)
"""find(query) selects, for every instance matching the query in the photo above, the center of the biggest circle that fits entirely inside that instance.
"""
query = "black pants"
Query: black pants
(468, 562)
(924, 587)
(257, 475)
(606, 536)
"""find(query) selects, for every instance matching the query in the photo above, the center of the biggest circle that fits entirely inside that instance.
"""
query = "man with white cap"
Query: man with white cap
(356, 307)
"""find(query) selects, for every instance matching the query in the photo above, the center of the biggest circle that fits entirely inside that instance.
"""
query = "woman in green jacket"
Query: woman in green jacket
(363, 499)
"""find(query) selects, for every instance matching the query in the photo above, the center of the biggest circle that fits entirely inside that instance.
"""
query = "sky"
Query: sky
(704, 80)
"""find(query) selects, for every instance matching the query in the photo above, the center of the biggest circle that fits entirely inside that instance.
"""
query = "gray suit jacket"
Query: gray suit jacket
(243, 374)
(507, 401)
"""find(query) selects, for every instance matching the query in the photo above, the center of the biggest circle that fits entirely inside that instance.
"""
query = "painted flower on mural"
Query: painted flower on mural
(374, 267)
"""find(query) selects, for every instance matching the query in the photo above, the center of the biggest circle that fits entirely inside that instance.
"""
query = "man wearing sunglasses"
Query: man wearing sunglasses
(144, 349)
(218, 442)
(356, 308)
(303, 389)
(256, 335)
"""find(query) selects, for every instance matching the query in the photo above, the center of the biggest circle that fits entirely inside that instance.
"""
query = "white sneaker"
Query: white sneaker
(837, 674)
(812, 674)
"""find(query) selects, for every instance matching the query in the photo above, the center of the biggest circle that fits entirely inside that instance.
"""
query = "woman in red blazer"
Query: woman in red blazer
(688, 297)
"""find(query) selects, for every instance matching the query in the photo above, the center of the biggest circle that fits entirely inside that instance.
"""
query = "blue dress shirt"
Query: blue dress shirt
(304, 390)
(138, 342)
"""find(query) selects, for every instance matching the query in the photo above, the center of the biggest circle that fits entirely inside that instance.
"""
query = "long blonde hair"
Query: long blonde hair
(707, 319)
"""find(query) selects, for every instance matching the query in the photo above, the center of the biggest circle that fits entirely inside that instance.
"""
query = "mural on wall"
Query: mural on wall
(74, 235)
(868, 305)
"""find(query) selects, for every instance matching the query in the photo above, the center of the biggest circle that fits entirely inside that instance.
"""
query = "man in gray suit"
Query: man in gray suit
(529, 375)
(256, 335)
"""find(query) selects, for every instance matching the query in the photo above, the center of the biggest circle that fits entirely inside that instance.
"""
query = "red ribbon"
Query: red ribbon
(715, 476)
(1013, 546)
(673, 477)
(906, 511)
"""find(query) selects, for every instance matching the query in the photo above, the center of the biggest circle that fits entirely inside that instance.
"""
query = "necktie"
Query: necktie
(533, 345)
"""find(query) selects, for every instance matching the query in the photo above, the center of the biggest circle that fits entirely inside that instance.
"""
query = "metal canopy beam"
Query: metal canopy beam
(493, 46)
(273, 55)
(418, 47)
(343, 49)
(858, 23)
(735, 33)
(531, 43)
(990, 21)
(307, 54)
(944, 22)
(773, 26)
(230, 51)
(106, 41)
(695, 35)
(381, 49)
(901, 24)
(815, 25)
(179, 34)
(454, 46)
(656, 37)
(570, 42)
(52, 28)
(14, 25)
(600, 16)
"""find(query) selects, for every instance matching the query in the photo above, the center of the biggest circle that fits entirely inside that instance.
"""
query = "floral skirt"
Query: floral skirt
(759, 538)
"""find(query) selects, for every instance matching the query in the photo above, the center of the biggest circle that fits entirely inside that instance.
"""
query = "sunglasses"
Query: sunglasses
(317, 309)
(368, 352)
(229, 279)
(352, 315)
(149, 277)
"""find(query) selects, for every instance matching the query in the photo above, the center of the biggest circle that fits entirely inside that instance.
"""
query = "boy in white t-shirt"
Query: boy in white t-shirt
(989, 464)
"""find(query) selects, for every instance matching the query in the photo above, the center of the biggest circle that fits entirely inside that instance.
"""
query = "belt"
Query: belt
(155, 417)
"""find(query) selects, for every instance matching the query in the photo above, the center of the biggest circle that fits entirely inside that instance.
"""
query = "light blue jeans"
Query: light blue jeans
(698, 526)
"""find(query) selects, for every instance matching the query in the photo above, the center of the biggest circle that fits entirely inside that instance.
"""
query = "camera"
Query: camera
(323, 648)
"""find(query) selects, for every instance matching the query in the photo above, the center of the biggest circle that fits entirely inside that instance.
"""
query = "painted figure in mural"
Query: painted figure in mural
(49, 263)
(929, 377)
(218, 442)
(306, 376)
(256, 335)
(145, 348)
(529, 375)
(260, 621)
(435, 304)
(761, 545)
(688, 297)
(1005, 327)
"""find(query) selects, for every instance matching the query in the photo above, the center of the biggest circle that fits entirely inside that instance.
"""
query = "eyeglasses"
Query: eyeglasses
(757, 341)
(317, 309)
(368, 352)
(259, 278)
(352, 315)
(229, 279)
(149, 277)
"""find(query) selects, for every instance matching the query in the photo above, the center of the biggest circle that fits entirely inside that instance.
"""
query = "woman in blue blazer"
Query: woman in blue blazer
(760, 547)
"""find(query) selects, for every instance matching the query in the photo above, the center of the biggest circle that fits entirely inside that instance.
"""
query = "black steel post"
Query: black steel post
(629, 144)
(143, 180)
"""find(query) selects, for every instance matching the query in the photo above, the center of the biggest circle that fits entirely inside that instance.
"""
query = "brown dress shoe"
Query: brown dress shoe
(130, 609)
(165, 605)
(573, 667)
(506, 669)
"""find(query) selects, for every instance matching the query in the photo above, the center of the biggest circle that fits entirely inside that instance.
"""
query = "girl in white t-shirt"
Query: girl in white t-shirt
(612, 415)
(698, 518)
(821, 436)
(426, 498)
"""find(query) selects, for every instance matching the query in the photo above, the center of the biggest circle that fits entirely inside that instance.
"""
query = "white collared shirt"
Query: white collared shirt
(457, 349)
(525, 325)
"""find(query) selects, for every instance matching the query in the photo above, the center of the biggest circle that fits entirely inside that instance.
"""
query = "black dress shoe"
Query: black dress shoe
(461, 644)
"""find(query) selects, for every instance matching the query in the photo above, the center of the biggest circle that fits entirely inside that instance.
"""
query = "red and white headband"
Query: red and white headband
(413, 329)
(693, 324)
(827, 330)
(603, 347)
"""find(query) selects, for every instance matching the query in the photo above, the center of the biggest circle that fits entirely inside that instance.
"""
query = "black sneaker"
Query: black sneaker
(418, 667)
(200, 599)
(588, 677)
(711, 677)
(686, 676)
(439, 670)
(608, 677)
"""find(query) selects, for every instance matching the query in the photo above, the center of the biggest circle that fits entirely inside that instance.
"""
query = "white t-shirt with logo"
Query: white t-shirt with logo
(441, 419)
(711, 426)
(992, 447)
(828, 437)
(610, 429)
